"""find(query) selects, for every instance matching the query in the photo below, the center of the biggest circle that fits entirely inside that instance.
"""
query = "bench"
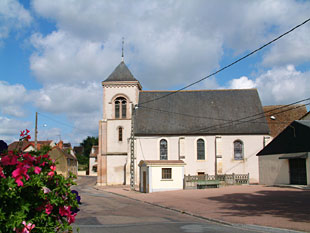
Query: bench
(202, 184)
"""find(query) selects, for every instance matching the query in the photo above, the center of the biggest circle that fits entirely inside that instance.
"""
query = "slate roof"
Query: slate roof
(293, 139)
(282, 117)
(121, 73)
(207, 109)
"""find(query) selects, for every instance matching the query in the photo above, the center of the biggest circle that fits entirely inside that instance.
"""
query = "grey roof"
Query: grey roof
(293, 139)
(121, 73)
(200, 110)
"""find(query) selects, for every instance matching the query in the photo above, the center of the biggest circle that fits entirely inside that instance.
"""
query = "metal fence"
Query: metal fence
(190, 182)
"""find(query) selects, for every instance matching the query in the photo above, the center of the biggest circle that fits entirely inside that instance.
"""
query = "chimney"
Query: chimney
(60, 144)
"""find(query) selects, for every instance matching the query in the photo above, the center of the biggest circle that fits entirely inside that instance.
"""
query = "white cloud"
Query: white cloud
(12, 98)
(167, 43)
(242, 83)
(281, 85)
(61, 98)
(13, 16)
(10, 128)
(292, 49)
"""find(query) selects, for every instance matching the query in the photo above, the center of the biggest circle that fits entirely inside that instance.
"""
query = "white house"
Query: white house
(161, 175)
(210, 130)
(93, 161)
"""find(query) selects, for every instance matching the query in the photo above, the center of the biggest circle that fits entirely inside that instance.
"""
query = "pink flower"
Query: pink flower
(51, 173)
(64, 211)
(48, 208)
(19, 173)
(28, 227)
(53, 168)
(1, 172)
(22, 133)
(9, 159)
(37, 170)
(46, 190)
(71, 218)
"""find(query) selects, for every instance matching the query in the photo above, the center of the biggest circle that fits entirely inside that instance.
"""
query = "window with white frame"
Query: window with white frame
(163, 149)
(238, 150)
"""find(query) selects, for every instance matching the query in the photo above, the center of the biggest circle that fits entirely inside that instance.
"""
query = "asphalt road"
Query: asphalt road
(106, 212)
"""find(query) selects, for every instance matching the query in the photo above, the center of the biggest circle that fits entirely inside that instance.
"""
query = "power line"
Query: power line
(61, 122)
(227, 66)
(219, 126)
(220, 119)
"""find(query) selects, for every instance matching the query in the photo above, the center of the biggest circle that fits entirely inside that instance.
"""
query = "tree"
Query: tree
(87, 145)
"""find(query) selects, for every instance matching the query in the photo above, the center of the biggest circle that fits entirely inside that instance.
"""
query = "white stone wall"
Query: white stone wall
(116, 169)
(148, 149)
(158, 184)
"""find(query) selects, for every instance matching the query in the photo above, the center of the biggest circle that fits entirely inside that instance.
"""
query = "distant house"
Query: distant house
(285, 160)
(78, 150)
(62, 153)
(93, 161)
(27, 146)
(65, 161)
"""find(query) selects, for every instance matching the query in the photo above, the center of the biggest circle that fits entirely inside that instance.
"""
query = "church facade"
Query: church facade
(212, 131)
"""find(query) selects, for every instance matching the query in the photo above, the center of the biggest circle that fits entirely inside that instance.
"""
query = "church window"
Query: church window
(163, 149)
(238, 150)
(124, 108)
(200, 149)
(120, 108)
(120, 134)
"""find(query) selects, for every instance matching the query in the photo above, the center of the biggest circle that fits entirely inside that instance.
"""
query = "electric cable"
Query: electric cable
(227, 66)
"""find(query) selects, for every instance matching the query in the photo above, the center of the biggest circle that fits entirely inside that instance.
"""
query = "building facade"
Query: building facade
(212, 131)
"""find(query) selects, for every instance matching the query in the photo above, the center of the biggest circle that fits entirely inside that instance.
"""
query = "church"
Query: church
(211, 131)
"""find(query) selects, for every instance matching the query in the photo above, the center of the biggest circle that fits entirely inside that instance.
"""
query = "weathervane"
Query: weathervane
(122, 48)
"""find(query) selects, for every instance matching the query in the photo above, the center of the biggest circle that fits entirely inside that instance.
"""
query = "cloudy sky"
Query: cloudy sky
(54, 55)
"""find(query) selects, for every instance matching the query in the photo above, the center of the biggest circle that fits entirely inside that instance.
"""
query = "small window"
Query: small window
(238, 150)
(200, 173)
(163, 149)
(200, 149)
(120, 134)
(166, 173)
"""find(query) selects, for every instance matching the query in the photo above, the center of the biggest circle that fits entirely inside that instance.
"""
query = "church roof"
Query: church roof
(121, 73)
(206, 112)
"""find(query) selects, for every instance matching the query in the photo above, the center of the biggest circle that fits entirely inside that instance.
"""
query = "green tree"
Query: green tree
(87, 145)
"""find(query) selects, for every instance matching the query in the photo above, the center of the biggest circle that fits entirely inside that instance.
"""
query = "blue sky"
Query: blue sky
(54, 55)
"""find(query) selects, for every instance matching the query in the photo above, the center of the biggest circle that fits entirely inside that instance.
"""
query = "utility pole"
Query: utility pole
(132, 149)
(36, 133)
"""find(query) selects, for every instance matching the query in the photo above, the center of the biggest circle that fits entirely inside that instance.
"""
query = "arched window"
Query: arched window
(120, 134)
(120, 107)
(238, 150)
(163, 149)
(200, 149)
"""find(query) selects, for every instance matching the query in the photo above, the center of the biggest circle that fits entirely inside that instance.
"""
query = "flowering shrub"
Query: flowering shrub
(33, 197)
